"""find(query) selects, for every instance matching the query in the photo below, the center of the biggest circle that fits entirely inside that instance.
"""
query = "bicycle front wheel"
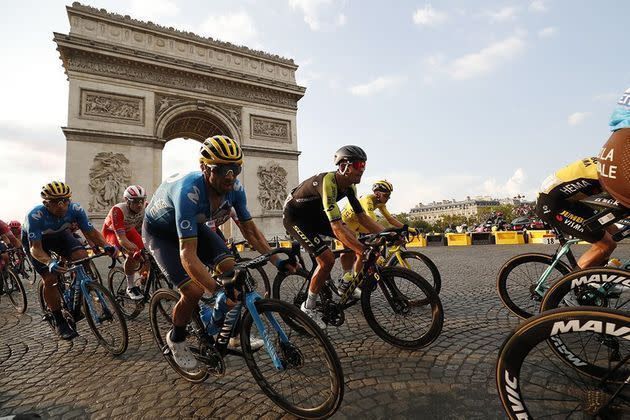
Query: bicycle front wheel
(105, 319)
(402, 308)
(309, 383)
(519, 277)
(533, 383)
(419, 263)
(14, 289)
(117, 282)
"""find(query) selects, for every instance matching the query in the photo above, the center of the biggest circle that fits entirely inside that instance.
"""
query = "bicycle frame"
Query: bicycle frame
(565, 249)
(84, 280)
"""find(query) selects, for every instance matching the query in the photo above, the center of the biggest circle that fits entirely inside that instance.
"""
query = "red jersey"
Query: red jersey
(121, 219)
(4, 228)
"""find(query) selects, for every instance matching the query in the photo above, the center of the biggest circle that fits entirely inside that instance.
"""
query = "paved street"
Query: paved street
(453, 378)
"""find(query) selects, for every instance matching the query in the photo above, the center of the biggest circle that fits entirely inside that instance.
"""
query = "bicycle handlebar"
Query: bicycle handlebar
(390, 235)
(75, 264)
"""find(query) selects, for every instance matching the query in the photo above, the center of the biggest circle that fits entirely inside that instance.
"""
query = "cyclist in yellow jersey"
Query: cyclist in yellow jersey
(559, 205)
(382, 191)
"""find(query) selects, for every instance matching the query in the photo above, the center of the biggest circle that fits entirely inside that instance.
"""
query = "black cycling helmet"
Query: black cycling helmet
(349, 154)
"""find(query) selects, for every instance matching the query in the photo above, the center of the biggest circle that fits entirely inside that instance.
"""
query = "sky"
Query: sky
(448, 98)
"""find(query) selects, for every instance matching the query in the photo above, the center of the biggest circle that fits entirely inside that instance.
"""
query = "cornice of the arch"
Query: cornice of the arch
(175, 107)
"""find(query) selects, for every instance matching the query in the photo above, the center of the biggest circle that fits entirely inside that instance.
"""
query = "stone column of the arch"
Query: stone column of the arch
(270, 170)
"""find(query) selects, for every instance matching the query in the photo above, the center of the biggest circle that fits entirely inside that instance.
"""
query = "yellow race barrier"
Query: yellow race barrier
(541, 237)
(338, 244)
(509, 238)
(240, 247)
(458, 239)
(285, 244)
(417, 242)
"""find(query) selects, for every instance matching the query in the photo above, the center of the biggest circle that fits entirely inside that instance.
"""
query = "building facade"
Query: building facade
(467, 208)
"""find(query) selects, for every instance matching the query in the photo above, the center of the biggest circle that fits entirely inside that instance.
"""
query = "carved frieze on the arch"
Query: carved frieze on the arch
(109, 176)
(144, 73)
(273, 129)
(105, 106)
(272, 187)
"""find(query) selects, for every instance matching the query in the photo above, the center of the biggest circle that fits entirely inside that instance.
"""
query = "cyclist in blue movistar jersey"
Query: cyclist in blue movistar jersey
(175, 232)
(46, 229)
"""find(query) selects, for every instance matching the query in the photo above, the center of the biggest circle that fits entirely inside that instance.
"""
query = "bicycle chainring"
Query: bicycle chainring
(332, 313)
(210, 357)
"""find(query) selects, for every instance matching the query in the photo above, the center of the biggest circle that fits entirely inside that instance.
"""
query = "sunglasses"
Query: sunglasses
(224, 170)
(136, 200)
(61, 201)
(358, 164)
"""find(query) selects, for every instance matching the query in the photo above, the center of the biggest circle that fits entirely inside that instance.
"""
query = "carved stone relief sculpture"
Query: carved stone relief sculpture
(110, 107)
(109, 176)
(270, 129)
(272, 187)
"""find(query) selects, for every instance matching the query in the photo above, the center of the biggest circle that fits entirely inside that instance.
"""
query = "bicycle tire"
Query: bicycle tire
(537, 330)
(429, 298)
(286, 294)
(520, 305)
(415, 255)
(116, 347)
(157, 315)
(92, 271)
(117, 284)
(31, 270)
(15, 292)
(316, 337)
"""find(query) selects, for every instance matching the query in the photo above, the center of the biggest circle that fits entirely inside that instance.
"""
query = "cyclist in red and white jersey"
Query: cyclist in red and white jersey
(121, 227)
(6, 237)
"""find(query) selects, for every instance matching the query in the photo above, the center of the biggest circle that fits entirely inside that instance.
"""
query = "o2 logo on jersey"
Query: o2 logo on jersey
(194, 195)
(31, 235)
(184, 224)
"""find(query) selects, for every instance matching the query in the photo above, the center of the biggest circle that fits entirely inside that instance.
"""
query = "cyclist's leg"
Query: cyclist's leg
(132, 264)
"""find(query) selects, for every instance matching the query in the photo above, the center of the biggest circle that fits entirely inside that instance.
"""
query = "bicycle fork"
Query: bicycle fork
(90, 304)
(250, 302)
(542, 287)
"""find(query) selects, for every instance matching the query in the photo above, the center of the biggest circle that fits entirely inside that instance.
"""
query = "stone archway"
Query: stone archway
(133, 86)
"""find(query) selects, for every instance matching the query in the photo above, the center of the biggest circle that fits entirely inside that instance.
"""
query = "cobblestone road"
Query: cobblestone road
(452, 379)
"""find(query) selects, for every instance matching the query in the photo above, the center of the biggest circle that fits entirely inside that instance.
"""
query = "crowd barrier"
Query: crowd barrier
(544, 237)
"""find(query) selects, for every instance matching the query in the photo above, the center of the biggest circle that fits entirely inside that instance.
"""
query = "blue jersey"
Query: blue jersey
(181, 203)
(40, 222)
(620, 117)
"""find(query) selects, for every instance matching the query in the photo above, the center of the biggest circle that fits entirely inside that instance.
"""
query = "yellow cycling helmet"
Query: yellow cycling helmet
(55, 190)
(383, 185)
(218, 150)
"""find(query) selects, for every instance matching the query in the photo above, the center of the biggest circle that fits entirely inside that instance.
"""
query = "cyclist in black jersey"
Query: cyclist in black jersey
(311, 210)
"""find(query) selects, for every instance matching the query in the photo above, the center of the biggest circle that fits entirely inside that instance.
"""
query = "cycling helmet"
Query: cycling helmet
(134, 191)
(349, 154)
(55, 190)
(613, 166)
(14, 224)
(383, 185)
(220, 150)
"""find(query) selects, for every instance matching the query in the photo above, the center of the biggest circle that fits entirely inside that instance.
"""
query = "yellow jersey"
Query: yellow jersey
(574, 181)
(370, 204)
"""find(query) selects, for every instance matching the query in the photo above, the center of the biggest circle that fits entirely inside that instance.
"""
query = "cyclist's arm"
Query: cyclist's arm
(255, 238)
(346, 236)
(390, 219)
(129, 246)
(10, 238)
(118, 226)
(367, 222)
(197, 271)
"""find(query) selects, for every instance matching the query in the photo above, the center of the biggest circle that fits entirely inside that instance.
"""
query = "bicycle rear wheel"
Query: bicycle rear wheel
(532, 382)
(263, 286)
(105, 319)
(117, 282)
(14, 289)
(310, 383)
(421, 264)
(291, 287)
(161, 317)
(402, 308)
(519, 277)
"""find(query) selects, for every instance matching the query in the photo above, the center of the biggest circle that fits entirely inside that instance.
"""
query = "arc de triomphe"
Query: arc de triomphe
(135, 85)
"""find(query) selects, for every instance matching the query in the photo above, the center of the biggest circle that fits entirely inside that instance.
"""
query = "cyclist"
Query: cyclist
(311, 210)
(16, 228)
(6, 238)
(614, 159)
(46, 229)
(183, 245)
(120, 228)
(381, 193)
(559, 206)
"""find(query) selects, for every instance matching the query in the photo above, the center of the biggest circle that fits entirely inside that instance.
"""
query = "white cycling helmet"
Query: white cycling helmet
(134, 191)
